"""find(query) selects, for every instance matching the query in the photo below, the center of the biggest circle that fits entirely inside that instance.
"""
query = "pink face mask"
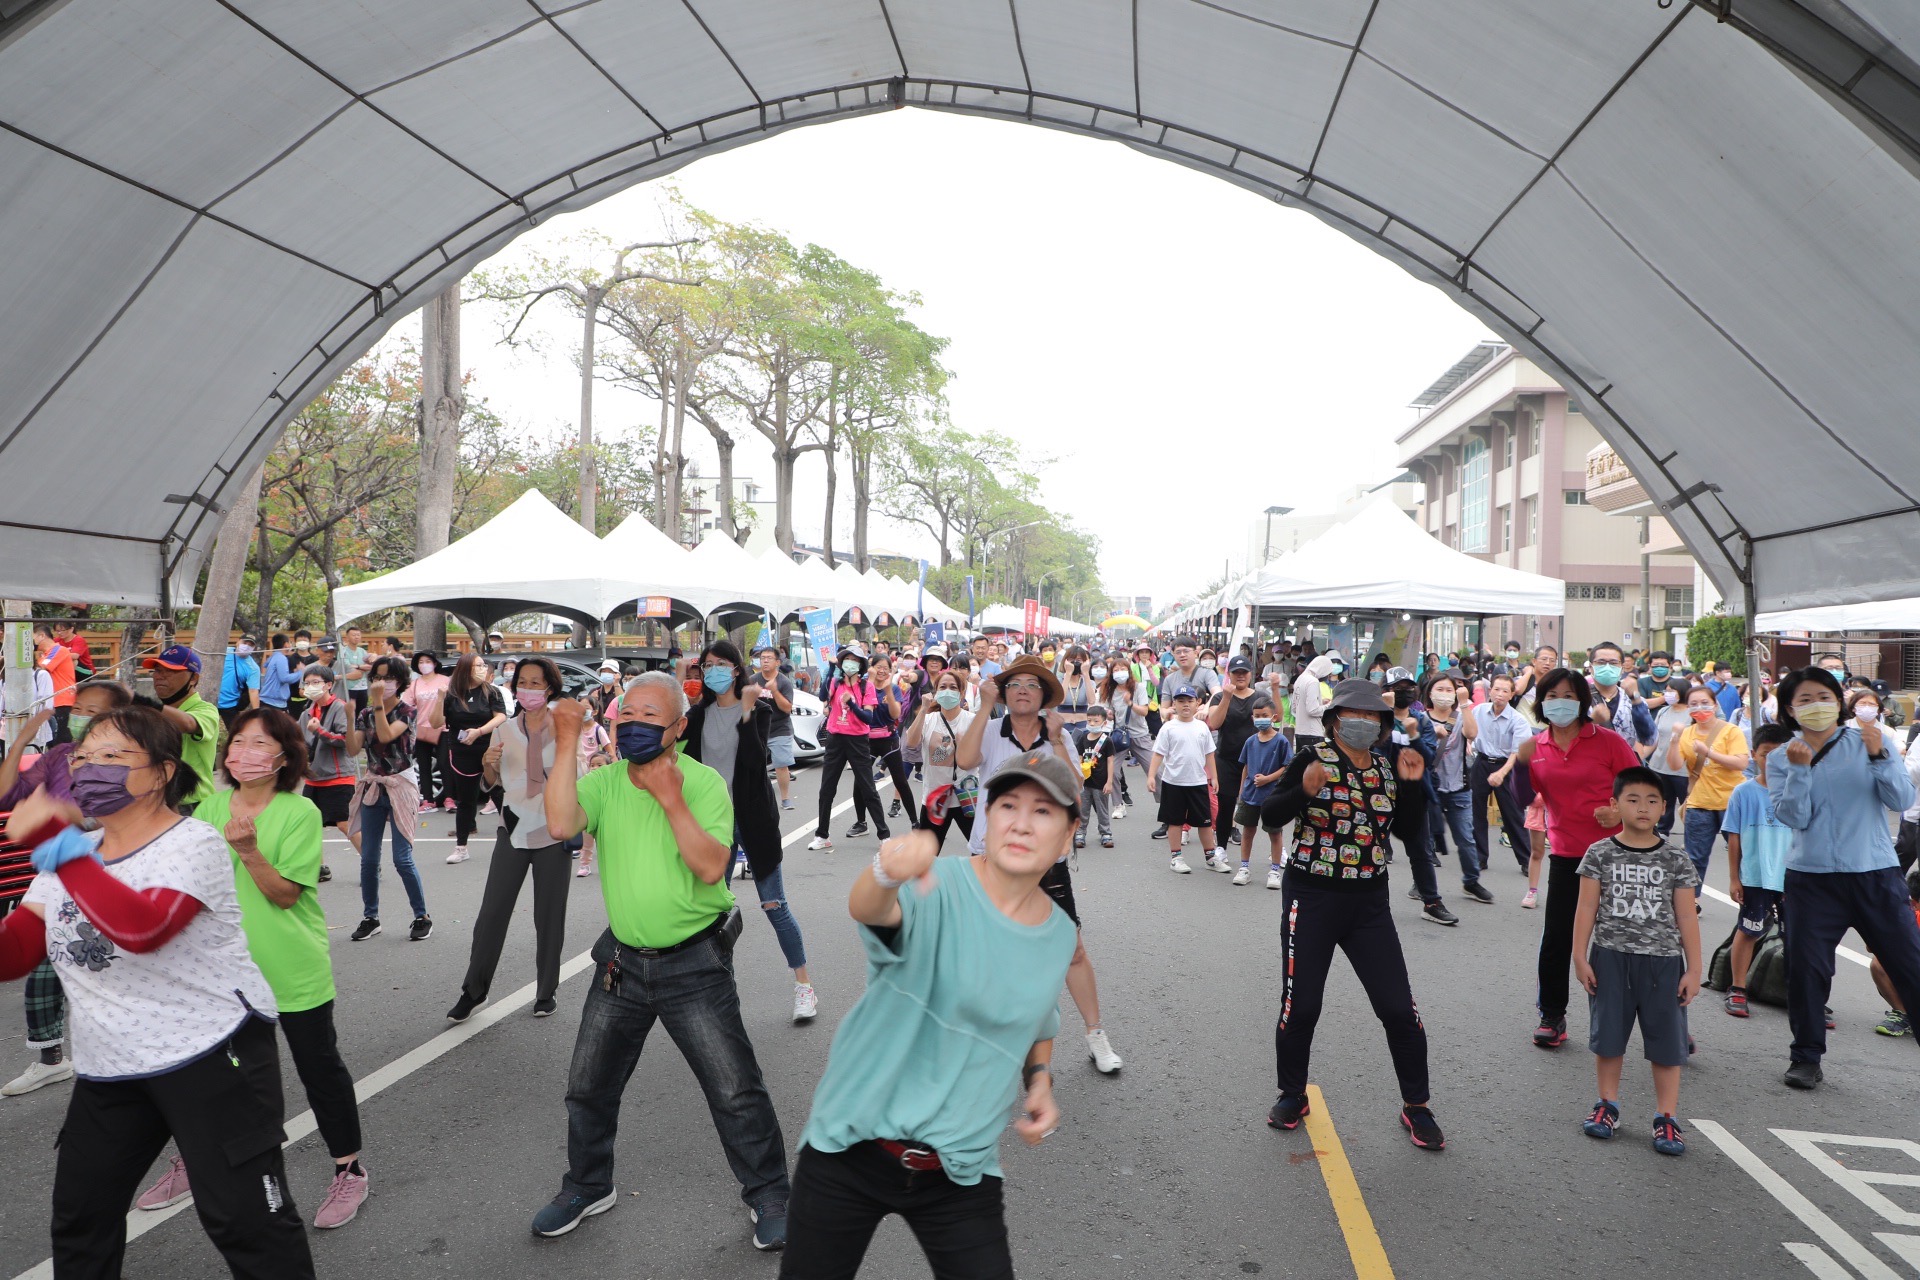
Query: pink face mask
(250, 764)
(531, 699)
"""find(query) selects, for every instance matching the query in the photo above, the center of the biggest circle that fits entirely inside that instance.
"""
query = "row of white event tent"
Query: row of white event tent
(1379, 561)
(1006, 617)
(533, 558)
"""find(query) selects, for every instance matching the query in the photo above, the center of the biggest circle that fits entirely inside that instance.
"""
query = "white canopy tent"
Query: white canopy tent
(725, 565)
(1007, 617)
(531, 558)
(1881, 615)
(649, 563)
(1703, 218)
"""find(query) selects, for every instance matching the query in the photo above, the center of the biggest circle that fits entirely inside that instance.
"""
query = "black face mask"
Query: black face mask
(1402, 699)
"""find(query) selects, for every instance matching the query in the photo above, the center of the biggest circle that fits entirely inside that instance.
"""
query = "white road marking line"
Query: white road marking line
(1846, 953)
(141, 1221)
(1818, 1262)
(1862, 1259)
(1908, 1247)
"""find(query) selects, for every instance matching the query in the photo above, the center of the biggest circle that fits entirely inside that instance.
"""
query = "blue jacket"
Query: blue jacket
(1838, 807)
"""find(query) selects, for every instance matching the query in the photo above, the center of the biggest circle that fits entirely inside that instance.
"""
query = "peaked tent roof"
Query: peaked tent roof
(1378, 559)
(726, 564)
(1702, 218)
(649, 563)
(531, 558)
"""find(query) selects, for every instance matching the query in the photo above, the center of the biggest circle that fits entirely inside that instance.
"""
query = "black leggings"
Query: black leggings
(840, 1197)
(953, 818)
(886, 752)
(324, 1076)
(466, 786)
(433, 782)
(1556, 935)
(1513, 814)
(842, 750)
(225, 1112)
(1313, 923)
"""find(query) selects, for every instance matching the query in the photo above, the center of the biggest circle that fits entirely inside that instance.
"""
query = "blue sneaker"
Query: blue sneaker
(1288, 1111)
(1603, 1121)
(566, 1210)
(769, 1225)
(1666, 1137)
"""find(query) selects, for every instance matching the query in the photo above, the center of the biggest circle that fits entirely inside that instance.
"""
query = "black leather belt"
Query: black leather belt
(718, 924)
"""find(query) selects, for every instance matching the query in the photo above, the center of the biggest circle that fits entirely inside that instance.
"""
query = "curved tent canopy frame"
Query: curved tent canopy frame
(1709, 231)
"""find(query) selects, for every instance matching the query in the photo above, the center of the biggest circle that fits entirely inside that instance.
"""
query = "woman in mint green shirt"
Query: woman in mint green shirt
(965, 959)
(274, 836)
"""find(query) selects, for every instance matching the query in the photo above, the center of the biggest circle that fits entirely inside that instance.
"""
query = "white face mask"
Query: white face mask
(1442, 697)
(427, 668)
(1099, 673)
(1671, 697)
(1866, 713)
(389, 687)
(1209, 663)
(314, 692)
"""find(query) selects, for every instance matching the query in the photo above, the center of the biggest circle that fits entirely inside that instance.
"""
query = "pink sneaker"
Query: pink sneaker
(345, 1195)
(170, 1190)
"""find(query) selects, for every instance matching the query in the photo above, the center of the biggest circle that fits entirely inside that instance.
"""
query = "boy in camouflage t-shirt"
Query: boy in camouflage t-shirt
(1636, 949)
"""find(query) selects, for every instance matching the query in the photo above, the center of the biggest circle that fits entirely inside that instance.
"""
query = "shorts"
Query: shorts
(1755, 906)
(1248, 815)
(1643, 988)
(1185, 806)
(780, 751)
(332, 802)
(1537, 815)
(1058, 883)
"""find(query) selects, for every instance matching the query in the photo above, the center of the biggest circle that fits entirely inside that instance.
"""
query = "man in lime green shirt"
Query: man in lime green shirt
(176, 670)
(663, 825)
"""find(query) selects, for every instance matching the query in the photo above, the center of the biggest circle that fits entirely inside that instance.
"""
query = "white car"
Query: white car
(808, 718)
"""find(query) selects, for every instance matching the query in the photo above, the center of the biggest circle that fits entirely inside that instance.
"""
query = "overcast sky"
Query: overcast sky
(1133, 320)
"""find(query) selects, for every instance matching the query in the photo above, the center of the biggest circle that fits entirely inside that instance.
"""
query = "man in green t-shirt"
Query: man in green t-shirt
(663, 825)
(176, 670)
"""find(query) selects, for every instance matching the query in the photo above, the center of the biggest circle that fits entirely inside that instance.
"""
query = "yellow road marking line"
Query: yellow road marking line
(1356, 1224)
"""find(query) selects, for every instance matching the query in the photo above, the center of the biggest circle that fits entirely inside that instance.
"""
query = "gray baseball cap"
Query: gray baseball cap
(1045, 767)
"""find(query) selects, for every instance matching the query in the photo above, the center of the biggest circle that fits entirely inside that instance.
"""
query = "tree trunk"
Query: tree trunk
(860, 457)
(589, 481)
(442, 405)
(676, 456)
(263, 585)
(663, 520)
(833, 474)
(328, 563)
(783, 499)
(224, 572)
(724, 444)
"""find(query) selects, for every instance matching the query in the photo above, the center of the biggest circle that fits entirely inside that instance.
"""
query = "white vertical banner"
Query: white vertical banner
(1242, 629)
(19, 660)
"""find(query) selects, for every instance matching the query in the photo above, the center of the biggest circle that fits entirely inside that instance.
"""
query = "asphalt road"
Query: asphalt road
(1164, 1170)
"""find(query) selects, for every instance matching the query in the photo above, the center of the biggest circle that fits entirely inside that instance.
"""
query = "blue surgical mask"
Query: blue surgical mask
(1560, 711)
(947, 699)
(639, 741)
(1607, 673)
(1261, 726)
(850, 667)
(718, 679)
(1661, 673)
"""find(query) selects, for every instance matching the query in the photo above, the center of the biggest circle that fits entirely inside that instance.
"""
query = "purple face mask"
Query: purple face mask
(101, 789)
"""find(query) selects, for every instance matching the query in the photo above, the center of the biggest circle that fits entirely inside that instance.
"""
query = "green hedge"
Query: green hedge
(1718, 637)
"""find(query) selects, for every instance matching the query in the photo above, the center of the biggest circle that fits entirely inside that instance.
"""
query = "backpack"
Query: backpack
(1766, 976)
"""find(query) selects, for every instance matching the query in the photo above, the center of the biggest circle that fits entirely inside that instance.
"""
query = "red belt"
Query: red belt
(910, 1155)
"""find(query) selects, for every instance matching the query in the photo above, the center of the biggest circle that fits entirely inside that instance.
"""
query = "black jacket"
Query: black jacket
(756, 813)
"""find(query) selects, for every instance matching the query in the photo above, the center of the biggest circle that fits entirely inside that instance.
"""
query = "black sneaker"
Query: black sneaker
(857, 829)
(1288, 1111)
(422, 929)
(544, 1008)
(1478, 892)
(893, 810)
(769, 1226)
(1233, 837)
(326, 873)
(364, 930)
(1422, 1129)
(1804, 1075)
(1550, 1035)
(1438, 913)
(1160, 832)
(463, 1008)
(566, 1210)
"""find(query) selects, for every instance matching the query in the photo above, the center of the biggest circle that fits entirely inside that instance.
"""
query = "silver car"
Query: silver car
(808, 718)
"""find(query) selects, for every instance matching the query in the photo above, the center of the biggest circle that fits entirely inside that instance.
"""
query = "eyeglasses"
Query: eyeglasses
(1034, 685)
(131, 759)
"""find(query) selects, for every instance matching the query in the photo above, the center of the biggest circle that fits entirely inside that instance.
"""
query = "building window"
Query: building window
(1506, 528)
(1533, 447)
(1680, 605)
(1506, 463)
(1476, 486)
(1533, 522)
(1611, 592)
(1575, 497)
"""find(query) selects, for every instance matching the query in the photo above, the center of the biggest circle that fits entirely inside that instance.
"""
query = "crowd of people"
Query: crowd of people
(175, 922)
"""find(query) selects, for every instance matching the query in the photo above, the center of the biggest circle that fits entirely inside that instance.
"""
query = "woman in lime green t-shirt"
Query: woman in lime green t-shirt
(274, 836)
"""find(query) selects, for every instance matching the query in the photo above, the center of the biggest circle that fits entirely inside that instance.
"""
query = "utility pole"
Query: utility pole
(1646, 586)
(19, 658)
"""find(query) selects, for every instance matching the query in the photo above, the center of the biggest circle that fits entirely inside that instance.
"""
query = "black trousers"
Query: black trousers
(62, 731)
(952, 818)
(324, 1076)
(552, 870)
(839, 1199)
(1556, 936)
(1231, 771)
(886, 753)
(1816, 912)
(225, 1112)
(1513, 816)
(466, 786)
(1314, 922)
(1674, 786)
(840, 751)
(433, 781)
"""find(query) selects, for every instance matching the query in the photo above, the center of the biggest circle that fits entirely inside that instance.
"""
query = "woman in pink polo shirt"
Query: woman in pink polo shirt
(1574, 762)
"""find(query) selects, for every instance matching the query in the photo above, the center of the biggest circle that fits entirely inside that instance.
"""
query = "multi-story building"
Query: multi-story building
(1502, 452)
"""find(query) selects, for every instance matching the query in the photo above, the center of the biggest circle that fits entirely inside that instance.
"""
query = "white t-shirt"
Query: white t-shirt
(996, 748)
(939, 743)
(1184, 746)
(141, 1015)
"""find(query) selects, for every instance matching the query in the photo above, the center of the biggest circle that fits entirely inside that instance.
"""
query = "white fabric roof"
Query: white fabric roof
(1880, 615)
(646, 562)
(1708, 230)
(726, 565)
(1379, 559)
(529, 558)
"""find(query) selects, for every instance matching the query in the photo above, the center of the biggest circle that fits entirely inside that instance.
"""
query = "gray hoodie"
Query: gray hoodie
(1308, 705)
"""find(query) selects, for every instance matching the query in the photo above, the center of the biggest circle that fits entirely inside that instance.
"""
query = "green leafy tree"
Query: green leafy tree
(1718, 637)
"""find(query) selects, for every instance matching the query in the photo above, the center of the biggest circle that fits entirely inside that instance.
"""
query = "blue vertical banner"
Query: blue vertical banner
(820, 635)
(920, 598)
(935, 633)
(969, 602)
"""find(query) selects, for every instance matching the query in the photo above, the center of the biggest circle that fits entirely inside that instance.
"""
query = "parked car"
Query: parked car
(808, 717)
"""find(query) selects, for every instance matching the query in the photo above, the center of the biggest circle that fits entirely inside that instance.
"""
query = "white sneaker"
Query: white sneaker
(459, 854)
(1243, 876)
(1119, 812)
(1273, 877)
(819, 844)
(37, 1076)
(1105, 1060)
(1219, 862)
(1179, 864)
(805, 1003)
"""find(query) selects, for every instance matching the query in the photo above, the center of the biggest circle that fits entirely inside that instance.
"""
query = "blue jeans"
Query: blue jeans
(1703, 828)
(773, 901)
(1456, 810)
(693, 993)
(375, 818)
